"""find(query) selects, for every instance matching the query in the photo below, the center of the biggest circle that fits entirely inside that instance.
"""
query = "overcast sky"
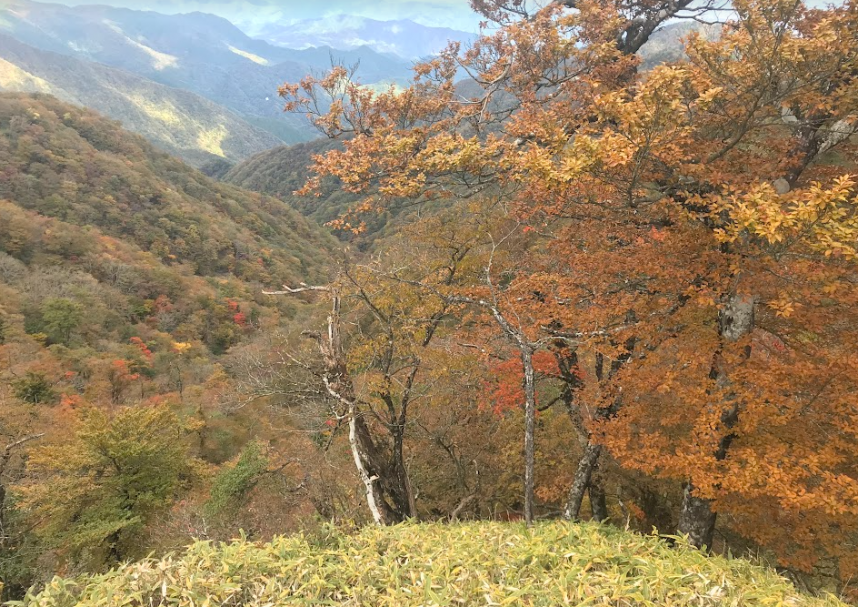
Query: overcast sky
(248, 14)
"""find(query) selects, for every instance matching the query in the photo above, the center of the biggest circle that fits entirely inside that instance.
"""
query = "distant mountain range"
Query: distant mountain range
(665, 45)
(403, 38)
(179, 122)
(197, 52)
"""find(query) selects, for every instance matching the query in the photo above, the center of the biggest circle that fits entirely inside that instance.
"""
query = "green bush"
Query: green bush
(232, 484)
(92, 496)
(463, 564)
(33, 388)
(61, 317)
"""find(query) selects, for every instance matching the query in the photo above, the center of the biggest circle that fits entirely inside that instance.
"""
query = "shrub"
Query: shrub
(462, 564)
(33, 388)
(91, 496)
(232, 484)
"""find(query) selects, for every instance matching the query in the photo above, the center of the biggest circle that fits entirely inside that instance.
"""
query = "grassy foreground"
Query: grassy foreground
(427, 565)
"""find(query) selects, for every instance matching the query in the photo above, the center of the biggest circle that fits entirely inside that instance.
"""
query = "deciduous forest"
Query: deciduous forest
(573, 289)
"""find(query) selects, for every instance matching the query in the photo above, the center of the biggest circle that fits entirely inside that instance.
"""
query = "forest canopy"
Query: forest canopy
(671, 254)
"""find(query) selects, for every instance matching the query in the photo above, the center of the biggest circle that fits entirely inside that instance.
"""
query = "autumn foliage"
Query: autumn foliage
(688, 233)
(599, 292)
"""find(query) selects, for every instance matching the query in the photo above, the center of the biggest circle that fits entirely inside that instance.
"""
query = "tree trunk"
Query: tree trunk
(697, 518)
(598, 501)
(529, 431)
(384, 501)
(401, 492)
(366, 460)
(581, 482)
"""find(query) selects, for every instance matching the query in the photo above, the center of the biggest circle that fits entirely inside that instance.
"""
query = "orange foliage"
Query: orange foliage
(695, 223)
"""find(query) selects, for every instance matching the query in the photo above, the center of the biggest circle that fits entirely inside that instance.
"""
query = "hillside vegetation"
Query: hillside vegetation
(283, 170)
(596, 292)
(464, 564)
(73, 165)
(126, 278)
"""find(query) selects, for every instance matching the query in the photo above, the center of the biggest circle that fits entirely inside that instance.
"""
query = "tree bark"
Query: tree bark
(598, 501)
(581, 483)
(697, 517)
(366, 460)
(374, 472)
(529, 433)
(403, 496)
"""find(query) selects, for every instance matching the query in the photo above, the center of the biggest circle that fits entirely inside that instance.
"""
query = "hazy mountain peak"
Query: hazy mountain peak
(196, 52)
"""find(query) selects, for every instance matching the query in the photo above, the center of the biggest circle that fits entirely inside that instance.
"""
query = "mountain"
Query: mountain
(196, 52)
(181, 123)
(403, 37)
(665, 45)
(280, 171)
(72, 165)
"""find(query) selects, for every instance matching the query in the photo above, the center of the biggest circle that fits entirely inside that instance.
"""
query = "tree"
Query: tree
(373, 376)
(33, 388)
(92, 497)
(60, 318)
(688, 231)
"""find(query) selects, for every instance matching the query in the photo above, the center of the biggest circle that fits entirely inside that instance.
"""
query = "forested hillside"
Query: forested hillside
(125, 276)
(284, 170)
(71, 164)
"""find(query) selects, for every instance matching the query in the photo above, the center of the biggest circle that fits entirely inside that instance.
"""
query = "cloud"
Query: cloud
(252, 14)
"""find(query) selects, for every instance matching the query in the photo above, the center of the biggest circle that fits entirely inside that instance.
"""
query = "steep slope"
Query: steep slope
(281, 171)
(179, 122)
(460, 564)
(126, 277)
(71, 164)
(197, 52)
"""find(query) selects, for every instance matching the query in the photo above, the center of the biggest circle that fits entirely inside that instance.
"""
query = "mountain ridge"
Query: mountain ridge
(198, 52)
(178, 121)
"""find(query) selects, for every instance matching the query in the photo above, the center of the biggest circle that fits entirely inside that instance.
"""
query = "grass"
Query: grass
(431, 565)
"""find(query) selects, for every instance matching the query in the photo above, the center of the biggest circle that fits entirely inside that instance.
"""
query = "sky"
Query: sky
(250, 14)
